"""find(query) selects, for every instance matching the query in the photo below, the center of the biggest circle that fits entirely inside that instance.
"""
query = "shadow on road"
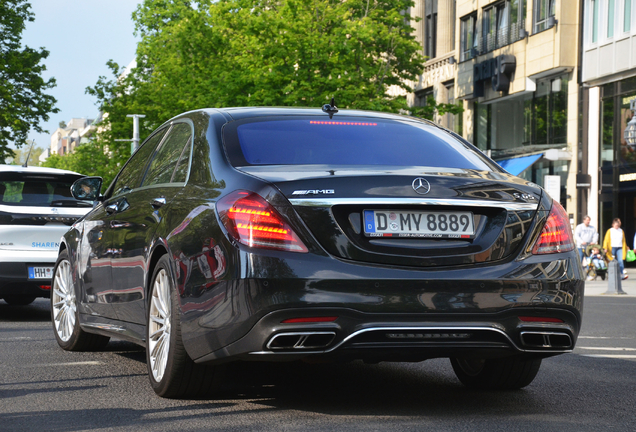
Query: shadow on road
(259, 396)
(37, 311)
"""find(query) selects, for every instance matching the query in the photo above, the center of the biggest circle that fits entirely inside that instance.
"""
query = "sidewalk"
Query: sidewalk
(598, 287)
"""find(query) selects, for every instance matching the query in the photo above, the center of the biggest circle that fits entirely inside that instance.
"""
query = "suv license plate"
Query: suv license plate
(40, 272)
(422, 224)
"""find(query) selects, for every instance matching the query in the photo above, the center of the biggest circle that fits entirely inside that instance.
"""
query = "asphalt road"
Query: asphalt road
(43, 388)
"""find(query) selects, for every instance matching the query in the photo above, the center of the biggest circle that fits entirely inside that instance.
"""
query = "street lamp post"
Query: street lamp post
(630, 130)
(135, 139)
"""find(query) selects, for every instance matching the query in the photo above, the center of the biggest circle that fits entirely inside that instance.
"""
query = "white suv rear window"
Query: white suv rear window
(35, 190)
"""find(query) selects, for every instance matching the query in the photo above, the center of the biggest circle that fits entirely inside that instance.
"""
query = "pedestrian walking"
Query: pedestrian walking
(585, 235)
(615, 245)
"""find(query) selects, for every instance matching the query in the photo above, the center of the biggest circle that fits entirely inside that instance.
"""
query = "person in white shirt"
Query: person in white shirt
(615, 245)
(585, 235)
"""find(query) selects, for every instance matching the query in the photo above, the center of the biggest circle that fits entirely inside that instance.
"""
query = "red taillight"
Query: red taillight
(309, 320)
(540, 319)
(556, 235)
(252, 221)
(45, 287)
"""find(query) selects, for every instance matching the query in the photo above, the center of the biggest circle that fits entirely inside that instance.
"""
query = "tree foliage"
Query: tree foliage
(20, 155)
(299, 53)
(23, 103)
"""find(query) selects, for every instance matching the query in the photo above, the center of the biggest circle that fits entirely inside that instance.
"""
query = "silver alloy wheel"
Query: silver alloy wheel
(64, 305)
(159, 325)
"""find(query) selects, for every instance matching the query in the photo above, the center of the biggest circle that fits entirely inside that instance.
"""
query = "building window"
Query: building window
(501, 24)
(526, 123)
(627, 16)
(611, 11)
(594, 6)
(422, 97)
(451, 120)
(543, 10)
(469, 40)
(430, 45)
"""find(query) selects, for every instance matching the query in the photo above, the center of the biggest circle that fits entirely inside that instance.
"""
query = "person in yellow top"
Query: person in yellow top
(615, 245)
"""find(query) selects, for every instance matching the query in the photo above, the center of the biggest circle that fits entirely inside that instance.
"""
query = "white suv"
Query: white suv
(36, 209)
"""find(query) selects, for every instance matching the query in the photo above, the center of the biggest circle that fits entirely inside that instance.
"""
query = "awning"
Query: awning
(516, 166)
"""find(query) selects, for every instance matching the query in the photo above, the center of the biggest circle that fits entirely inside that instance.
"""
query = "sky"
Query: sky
(81, 36)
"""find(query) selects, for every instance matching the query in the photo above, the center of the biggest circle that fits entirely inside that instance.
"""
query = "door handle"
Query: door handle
(158, 202)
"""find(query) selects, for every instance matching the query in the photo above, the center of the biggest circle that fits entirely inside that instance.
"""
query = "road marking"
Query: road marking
(604, 337)
(84, 363)
(606, 348)
(611, 356)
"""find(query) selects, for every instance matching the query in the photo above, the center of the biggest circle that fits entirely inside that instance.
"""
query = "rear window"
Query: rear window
(33, 190)
(347, 141)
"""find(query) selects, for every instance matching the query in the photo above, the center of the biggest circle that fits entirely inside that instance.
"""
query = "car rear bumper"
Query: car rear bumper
(355, 335)
(14, 279)
(388, 313)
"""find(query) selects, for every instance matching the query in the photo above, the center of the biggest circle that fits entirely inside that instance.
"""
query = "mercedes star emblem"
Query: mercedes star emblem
(421, 186)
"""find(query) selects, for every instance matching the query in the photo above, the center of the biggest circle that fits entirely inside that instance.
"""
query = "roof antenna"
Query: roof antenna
(331, 108)
(26, 162)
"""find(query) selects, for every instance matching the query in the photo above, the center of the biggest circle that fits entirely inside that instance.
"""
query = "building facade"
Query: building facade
(513, 64)
(608, 74)
(77, 131)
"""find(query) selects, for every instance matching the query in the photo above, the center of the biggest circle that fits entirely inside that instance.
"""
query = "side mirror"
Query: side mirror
(87, 188)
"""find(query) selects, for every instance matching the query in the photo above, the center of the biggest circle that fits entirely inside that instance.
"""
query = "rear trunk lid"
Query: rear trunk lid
(409, 216)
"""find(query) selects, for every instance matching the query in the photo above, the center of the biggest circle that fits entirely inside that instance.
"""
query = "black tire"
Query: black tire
(602, 276)
(19, 300)
(509, 373)
(77, 339)
(182, 377)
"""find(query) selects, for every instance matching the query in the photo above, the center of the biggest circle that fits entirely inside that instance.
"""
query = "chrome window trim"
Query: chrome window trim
(328, 202)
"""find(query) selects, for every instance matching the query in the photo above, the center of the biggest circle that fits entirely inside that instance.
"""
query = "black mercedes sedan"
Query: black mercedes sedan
(274, 234)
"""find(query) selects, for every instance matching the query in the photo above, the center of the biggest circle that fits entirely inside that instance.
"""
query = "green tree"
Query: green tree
(23, 104)
(299, 53)
(20, 156)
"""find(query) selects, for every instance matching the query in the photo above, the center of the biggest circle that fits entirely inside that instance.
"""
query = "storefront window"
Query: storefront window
(617, 196)
(482, 126)
(549, 112)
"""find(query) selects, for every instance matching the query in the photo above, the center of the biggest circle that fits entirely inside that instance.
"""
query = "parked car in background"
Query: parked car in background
(36, 209)
(265, 234)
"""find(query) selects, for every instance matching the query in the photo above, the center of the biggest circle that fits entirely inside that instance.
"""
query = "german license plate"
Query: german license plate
(40, 272)
(401, 223)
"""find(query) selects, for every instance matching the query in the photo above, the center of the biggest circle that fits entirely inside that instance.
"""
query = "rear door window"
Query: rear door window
(347, 141)
(130, 176)
(171, 161)
(39, 190)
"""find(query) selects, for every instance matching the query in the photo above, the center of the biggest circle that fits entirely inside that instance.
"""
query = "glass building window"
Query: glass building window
(543, 10)
(611, 11)
(430, 45)
(501, 24)
(627, 16)
(594, 8)
(469, 41)
(525, 123)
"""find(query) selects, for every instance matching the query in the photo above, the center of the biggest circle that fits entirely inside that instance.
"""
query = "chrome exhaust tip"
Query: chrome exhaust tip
(301, 340)
(547, 340)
